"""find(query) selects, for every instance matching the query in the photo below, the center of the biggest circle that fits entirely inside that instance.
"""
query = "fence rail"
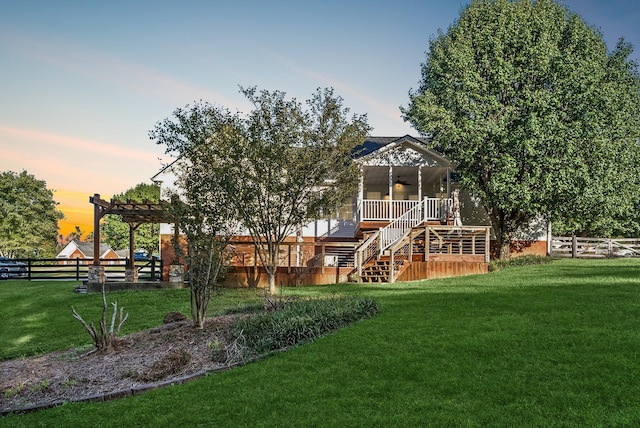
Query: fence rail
(78, 269)
(576, 247)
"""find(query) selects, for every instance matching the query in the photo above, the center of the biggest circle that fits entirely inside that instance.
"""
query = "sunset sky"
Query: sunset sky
(83, 82)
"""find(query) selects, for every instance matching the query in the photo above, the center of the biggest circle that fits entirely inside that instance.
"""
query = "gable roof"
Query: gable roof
(405, 151)
(86, 248)
(372, 144)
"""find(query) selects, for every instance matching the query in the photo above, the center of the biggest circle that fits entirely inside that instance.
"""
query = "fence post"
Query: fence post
(574, 246)
(153, 268)
(77, 269)
(610, 248)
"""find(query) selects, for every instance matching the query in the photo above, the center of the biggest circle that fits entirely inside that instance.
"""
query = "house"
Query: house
(409, 220)
(84, 250)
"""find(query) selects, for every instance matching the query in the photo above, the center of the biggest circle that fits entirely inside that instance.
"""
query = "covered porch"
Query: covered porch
(399, 176)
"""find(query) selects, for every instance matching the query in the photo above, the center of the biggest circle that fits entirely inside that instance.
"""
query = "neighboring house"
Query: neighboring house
(399, 225)
(84, 250)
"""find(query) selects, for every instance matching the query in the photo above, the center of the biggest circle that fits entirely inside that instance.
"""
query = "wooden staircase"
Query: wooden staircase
(376, 270)
(446, 244)
(379, 269)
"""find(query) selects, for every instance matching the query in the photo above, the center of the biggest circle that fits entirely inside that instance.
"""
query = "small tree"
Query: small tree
(281, 165)
(204, 214)
(540, 120)
(105, 337)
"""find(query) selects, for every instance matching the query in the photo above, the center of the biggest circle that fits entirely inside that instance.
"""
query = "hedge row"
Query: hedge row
(297, 322)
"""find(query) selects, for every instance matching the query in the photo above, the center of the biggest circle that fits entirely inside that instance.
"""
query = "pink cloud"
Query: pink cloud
(116, 71)
(62, 142)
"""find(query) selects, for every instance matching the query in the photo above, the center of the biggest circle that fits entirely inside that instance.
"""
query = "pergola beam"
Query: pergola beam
(132, 212)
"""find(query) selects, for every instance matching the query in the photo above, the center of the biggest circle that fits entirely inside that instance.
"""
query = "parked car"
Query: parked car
(11, 269)
(144, 256)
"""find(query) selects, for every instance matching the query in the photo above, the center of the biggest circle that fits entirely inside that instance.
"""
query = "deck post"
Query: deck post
(427, 245)
(411, 236)
(391, 265)
(487, 246)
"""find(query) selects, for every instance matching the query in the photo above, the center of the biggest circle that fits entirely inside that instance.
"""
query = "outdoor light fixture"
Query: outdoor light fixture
(401, 182)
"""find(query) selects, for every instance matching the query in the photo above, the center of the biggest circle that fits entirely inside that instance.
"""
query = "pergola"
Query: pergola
(132, 212)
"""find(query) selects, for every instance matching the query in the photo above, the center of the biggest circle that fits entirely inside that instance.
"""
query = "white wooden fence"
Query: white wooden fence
(594, 247)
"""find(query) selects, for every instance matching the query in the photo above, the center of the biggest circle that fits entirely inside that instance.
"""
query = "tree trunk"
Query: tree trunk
(505, 248)
(197, 314)
(271, 275)
(503, 235)
(272, 269)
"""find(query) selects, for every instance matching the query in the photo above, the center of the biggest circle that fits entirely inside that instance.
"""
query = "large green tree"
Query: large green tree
(540, 119)
(28, 216)
(115, 232)
(281, 165)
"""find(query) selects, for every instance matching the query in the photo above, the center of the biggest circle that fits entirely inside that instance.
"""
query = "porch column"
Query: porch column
(360, 195)
(448, 182)
(420, 183)
(390, 213)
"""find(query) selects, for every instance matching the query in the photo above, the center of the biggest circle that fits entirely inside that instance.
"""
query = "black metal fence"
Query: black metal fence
(78, 269)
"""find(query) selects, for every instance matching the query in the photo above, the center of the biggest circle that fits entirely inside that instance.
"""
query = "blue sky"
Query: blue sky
(82, 82)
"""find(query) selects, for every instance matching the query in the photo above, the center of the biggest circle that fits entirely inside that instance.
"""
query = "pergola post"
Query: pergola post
(96, 270)
(133, 213)
(130, 272)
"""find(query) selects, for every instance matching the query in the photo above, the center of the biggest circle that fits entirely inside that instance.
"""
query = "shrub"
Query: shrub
(496, 265)
(299, 321)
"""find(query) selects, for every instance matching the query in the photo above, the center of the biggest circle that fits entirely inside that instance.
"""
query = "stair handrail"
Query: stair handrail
(368, 250)
(395, 262)
(396, 229)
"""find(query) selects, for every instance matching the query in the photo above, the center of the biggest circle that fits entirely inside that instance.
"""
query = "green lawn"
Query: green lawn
(546, 345)
(36, 316)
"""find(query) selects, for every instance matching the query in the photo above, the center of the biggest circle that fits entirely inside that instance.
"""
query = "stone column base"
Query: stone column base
(131, 274)
(96, 274)
(176, 273)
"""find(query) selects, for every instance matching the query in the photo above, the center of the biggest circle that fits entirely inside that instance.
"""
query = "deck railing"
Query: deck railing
(455, 240)
(385, 210)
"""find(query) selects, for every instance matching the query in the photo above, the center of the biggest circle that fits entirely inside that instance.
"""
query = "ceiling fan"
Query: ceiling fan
(402, 182)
